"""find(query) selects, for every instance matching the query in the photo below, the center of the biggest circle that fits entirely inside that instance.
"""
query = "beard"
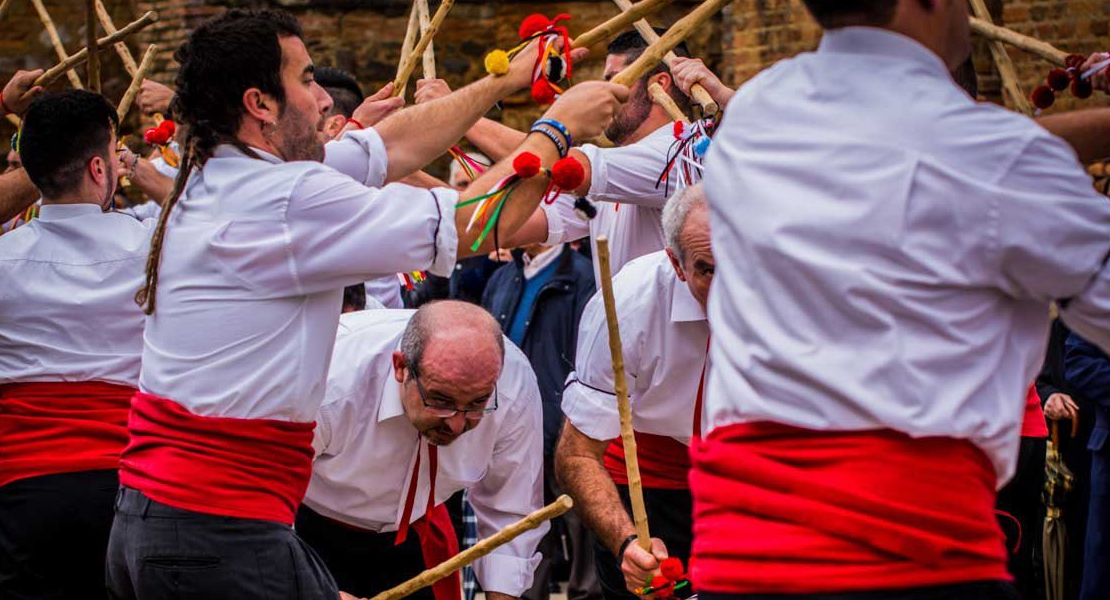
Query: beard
(631, 116)
(300, 136)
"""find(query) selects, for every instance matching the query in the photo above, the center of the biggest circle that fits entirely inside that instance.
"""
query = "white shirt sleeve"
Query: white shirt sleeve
(360, 155)
(511, 489)
(589, 400)
(563, 223)
(144, 211)
(628, 174)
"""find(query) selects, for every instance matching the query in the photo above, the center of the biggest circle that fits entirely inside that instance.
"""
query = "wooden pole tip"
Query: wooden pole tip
(565, 501)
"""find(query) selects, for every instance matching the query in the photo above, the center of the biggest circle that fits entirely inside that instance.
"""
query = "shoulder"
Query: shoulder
(518, 381)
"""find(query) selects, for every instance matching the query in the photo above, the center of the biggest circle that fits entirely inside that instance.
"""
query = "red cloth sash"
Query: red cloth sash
(50, 428)
(244, 468)
(664, 462)
(782, 510)
(1033, 424)
(435, 530)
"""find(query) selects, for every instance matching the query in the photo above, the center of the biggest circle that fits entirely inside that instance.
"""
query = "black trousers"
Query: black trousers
(363, 562)
(1021, 500)
(160, 552)
(981, 590)
(670, 514)
(54, 533)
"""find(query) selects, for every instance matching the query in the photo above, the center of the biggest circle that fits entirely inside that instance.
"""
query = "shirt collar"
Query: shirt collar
(57, 212)
(684, 307)
(537, 263)
(390, 405)
(881, 42)
(227, 150)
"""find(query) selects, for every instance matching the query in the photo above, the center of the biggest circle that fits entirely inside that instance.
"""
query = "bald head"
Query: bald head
(446, 332)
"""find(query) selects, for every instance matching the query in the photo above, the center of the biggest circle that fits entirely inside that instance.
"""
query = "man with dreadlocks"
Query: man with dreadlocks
(246, 269)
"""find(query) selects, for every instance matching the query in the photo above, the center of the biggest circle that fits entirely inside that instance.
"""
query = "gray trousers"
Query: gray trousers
(158, 552)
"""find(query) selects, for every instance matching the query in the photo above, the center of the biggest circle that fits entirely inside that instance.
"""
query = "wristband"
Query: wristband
(4, 106)
(624, 546)
(356, 122)
(551, 135)
(558, 127)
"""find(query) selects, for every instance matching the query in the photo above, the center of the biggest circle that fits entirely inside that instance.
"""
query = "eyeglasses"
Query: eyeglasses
(446, 412)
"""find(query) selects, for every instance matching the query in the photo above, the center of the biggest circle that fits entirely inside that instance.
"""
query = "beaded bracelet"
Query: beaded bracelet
(558, 127)
(554, 137)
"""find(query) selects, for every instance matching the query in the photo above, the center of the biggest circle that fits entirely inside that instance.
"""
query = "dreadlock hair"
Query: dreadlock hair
(631, 45)
(832, 14)
(220, 61)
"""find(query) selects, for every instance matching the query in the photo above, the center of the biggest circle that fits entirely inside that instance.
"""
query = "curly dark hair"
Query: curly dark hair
(221, 60)
(844, 13)
(61, 133)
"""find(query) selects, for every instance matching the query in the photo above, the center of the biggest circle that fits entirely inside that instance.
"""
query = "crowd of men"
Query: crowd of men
(829, 342)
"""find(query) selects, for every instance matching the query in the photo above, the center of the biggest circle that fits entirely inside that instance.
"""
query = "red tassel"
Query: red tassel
(1058, 80)
(533, 24)
(568, 174)
(1082, 88)
(542, 92)
(671, 568)
(1043, 96)
(526, 165)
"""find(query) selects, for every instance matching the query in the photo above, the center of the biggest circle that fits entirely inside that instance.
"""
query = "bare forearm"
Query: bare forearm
(152, 182)
(1087, 131)
(582, 474)
(422, 179)
(499, 596)
(520, 205)
(16, 194)
(494, 139)
(415, 136)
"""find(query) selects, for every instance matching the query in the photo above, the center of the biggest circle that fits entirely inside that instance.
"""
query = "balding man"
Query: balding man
(660, 301)
(420, 405)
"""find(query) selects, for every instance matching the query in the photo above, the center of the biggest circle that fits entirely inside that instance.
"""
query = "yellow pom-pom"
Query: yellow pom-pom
(497, 62)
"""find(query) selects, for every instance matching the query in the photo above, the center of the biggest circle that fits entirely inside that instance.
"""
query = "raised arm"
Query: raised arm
(16, 194)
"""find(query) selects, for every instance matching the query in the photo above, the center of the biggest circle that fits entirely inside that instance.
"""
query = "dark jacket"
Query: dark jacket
(551, 336)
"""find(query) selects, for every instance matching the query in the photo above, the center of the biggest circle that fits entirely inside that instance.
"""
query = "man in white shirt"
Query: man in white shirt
(660, 300)
(69, 352)
(888, 250)
(416, 396)
(259, 241)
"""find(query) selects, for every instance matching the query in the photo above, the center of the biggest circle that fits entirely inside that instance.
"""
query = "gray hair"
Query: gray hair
(676, 211)
(430, 317)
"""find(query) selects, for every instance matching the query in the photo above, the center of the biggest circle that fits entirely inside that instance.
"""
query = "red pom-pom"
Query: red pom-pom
(168, 126)
(533, 24)
(679, 129)
(155, 136)
(672, 569)
(1082, 88)
(542, 92)
(568, 174)
(1043, 96)
(526, 165)
(1058, 79)
(659, 582)
(1074, 61)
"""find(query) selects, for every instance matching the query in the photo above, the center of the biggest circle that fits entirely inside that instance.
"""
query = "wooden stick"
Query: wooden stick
(561, 505)
(1003, 63)
(698, 93)
(136, 82)
(55, 41)
(674, 36)
(4, 6)
(1020, 41)
(619, 23)
(429, 52)
(14, 120)
(406, 46)
(92, 70)
(409, 62)
(121, 48)
(54, 72)
(664, 100)
(620, 386)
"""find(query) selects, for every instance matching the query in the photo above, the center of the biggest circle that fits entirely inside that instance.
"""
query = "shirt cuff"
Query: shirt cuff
(447, 237)
(556, 226)
(360, 155)
(599, 173)
(590, 410)
(511, 575)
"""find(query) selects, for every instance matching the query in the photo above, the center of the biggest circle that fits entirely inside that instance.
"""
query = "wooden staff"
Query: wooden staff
(561, 505)
(1003, 63)
(664, 100)
(1020, 41)
(429, 52)
(121, 48)
(619, 23)
(620, 386)
(55, 41)
(409, 62)
(406, 46)
(697, 92)
(92, 71)
(136, 82)
(4, 6)
(56, 71)
(667, 42)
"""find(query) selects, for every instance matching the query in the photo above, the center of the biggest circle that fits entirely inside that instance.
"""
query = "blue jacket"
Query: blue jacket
(1088, 371)
(552, 334)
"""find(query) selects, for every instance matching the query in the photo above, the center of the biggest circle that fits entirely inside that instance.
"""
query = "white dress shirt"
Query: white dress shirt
(664, 335)
(629, 205)
(366, 449)
(67, 296)
(256, 257)
(887, 249)
(386, 291)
